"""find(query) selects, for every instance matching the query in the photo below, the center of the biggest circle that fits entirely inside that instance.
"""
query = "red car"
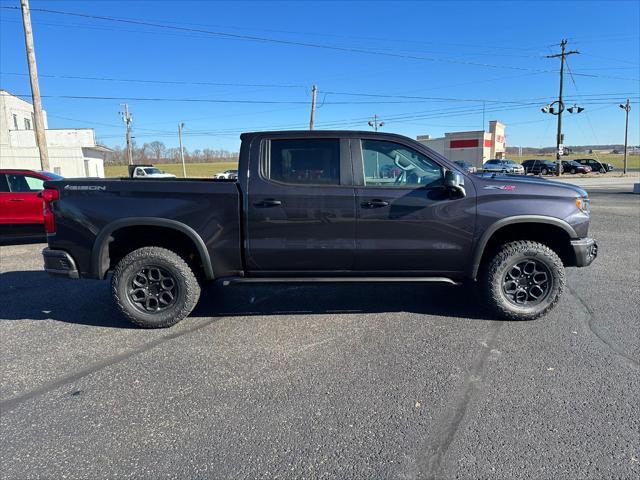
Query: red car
(21, 214)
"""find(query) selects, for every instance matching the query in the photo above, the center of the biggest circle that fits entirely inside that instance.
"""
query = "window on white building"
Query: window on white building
(15, 121)
(27, 124)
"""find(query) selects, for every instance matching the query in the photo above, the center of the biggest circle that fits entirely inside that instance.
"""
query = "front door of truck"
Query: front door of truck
(300, 206)
(407, 219)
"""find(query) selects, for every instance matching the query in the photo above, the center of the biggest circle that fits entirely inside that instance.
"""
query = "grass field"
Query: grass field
(207, 170)
(202, 170)
(633, 161)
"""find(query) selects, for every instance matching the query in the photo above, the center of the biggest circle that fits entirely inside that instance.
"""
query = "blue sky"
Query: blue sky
(457, 57)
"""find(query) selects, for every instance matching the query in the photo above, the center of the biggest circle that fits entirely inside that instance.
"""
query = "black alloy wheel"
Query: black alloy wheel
(527, 283)
(153, 289)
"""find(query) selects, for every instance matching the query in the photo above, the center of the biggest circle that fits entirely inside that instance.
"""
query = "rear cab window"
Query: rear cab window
(312, 161)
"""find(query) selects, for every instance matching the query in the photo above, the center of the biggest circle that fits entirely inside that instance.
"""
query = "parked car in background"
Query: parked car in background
(148, 171)
(227, 174)
(540, 167)
(574, 167)
(466, 166)
(503, 165)
(595, 165)
(21, 216)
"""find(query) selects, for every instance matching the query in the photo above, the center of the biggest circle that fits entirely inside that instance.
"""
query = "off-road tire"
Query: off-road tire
(494, 271)
(187, 287)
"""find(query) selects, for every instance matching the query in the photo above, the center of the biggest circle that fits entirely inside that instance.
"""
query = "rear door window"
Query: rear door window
(20, 183)
(4, 185)
(304, 161)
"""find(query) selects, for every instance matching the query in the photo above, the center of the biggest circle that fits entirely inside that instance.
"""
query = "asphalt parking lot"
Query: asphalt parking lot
(355, 381)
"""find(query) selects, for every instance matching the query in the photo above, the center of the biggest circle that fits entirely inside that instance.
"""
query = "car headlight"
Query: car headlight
(584, 205)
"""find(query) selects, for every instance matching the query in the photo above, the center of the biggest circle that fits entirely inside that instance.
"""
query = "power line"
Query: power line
(261, 39)
(162, 82)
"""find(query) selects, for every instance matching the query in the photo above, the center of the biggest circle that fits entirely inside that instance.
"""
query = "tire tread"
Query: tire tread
(191, 285)
(491, 290)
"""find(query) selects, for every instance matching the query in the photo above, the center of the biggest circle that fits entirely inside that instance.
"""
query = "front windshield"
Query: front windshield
(151, 171)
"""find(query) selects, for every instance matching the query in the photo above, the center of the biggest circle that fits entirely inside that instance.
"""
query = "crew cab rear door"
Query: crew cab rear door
(407, 220)
(300, 209)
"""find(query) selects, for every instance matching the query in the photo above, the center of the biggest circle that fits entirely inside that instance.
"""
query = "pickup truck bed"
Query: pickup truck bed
(139, 213)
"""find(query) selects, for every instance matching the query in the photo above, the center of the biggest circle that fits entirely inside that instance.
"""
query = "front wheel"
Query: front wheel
(523, 280)
(544, 171)
(573, 171)
(154, 287)
(603, 170)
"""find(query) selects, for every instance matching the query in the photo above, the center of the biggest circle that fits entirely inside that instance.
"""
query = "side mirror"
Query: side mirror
(455, 181)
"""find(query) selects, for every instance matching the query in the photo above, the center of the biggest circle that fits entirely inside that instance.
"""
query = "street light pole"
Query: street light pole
(128, 120)
(375, 123)
(562, 55)
(312, 118)
(184, 168)
(626, 107)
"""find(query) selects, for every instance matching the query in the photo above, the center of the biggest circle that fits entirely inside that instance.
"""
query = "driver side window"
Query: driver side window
(390, 164)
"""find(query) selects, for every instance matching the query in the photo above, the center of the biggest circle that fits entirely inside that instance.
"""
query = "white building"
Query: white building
(72, 151)
(474, 147)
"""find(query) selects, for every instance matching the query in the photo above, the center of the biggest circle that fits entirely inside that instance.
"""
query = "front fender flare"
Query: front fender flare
(494, 227)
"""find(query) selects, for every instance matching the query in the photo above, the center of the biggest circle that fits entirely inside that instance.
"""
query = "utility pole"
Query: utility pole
(559, 138)
(127, 118)
(184, 169)
(38, 118)
(314, 93)
(375, 123)
(626, 107)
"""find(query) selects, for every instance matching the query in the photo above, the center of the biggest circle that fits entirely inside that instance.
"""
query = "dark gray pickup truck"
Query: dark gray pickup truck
(320, 206)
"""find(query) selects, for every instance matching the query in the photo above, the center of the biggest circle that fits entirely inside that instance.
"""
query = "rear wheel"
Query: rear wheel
(573, 171)
(523, 280)
(154, 287)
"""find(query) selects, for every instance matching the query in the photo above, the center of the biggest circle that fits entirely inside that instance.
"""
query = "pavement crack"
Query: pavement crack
(588, 316)
(12, 402)
(432, 466)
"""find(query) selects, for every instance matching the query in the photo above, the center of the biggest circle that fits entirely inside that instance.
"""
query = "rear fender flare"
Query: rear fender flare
(494, 227)
(101, 244)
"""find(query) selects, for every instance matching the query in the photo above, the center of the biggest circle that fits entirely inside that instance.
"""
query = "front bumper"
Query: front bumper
(585, 250)
(59, 263)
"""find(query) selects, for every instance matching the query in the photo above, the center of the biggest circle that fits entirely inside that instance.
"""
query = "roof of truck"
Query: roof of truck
(323, 133)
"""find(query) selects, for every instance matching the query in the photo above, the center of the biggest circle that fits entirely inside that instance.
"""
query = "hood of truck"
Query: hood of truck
(525, 185)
